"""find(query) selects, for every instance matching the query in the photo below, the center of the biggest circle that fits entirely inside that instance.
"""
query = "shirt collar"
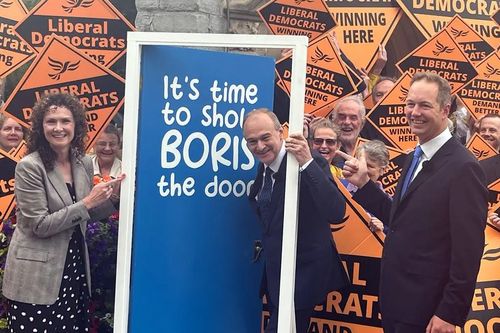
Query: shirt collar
(431, 147)
(275, 165)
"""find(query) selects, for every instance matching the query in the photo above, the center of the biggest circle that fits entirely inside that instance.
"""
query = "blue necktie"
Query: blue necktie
(414, 162)
(264, 199)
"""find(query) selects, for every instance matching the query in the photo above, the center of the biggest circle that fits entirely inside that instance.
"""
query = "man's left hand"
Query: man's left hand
(438, 325)
(297, 145)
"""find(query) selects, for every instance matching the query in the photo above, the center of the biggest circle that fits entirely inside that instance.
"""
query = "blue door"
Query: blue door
(194, 232)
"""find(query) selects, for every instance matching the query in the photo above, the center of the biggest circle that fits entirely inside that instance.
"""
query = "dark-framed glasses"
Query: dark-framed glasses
(329, 142)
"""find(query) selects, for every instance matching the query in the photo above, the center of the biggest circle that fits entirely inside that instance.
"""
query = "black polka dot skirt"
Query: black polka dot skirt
(70, 312)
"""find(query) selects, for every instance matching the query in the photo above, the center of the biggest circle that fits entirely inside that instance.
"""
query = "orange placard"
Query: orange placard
(62, 68)
(13, 52)
(475, 47)
(353, 232)
(93, 26)
(493, 193)
(368, 102)
(431, 16)
(327, 77)
(19, 152)
(297, 17)
(390, 177)
(7, 171)
(360, 250)
(480, 148)
(286, 128)
(366, 25)
(484, 310)
(491, 257)
(482, 95)
(388, 116)
(443, 56)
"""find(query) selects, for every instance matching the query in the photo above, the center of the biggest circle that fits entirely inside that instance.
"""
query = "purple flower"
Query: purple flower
(7, 228)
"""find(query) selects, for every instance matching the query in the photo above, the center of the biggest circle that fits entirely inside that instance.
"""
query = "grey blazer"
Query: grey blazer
(46, 217)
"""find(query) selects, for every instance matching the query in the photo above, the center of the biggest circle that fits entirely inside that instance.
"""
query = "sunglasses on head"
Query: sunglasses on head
(329, 142)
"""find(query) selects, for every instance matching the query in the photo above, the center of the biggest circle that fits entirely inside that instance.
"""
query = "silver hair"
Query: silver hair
(357, 100)
(375, 150)
(266, 111)
(326, 123)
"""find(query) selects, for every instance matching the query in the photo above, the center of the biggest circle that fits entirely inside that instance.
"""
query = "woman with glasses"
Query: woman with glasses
(106, 148)
(324, 139)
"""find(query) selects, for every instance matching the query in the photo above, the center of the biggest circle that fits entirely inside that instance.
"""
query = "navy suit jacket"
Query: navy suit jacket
(319, 267)
(491, 167)
(435, 242)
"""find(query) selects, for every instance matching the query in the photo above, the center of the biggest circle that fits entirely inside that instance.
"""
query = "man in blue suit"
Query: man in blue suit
(319, 268)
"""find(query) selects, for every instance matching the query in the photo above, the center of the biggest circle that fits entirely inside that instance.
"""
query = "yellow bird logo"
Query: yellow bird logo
(480, 153)
(442, 49)
(73, 4)
(320, 56)
(404, 94)
(61, 67)
(491, 254)
(490, 70)
(458, 33)
(5, 3)
(340, 225)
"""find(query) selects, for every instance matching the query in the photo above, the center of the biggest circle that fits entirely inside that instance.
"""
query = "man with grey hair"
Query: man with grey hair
(319, 268)
(435, 241)
(349, 115)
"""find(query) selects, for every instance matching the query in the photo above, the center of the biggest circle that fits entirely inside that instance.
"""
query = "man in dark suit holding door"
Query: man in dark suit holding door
(319, 269)
(435, 242)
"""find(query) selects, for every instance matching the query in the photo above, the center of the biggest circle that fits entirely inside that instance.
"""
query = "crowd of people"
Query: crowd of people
(46, 279)
(434, 223)
(428, 276)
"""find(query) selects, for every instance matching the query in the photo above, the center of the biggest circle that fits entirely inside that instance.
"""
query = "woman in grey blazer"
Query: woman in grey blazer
(47, 275)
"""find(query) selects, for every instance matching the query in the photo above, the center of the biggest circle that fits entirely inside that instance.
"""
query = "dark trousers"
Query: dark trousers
(302, 318)
(392, 325)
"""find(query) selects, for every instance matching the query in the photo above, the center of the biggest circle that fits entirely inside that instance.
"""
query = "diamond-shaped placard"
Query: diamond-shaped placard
(475, 47)
(443, 56)
(327, 77)
(13, 52)
(431, 16)
(482, 95)
(480, 148)
(62, 68)
(389, 117)
(93, 26)
(366, 25)
(297, 17)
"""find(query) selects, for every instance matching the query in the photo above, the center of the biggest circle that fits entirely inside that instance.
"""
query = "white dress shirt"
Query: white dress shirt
(430, 148)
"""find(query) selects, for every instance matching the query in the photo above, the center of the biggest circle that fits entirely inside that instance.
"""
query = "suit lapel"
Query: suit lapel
(497, 168)
(277, 195)
(397, 193)
(80, 177)
(56, 179)
(431, 166)
(256, 186)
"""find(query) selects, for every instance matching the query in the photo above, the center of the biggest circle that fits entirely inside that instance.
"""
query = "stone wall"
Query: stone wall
(202, 16)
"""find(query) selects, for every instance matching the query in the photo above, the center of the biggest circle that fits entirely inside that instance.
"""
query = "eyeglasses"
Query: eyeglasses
(103, 144)
(329, 142)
